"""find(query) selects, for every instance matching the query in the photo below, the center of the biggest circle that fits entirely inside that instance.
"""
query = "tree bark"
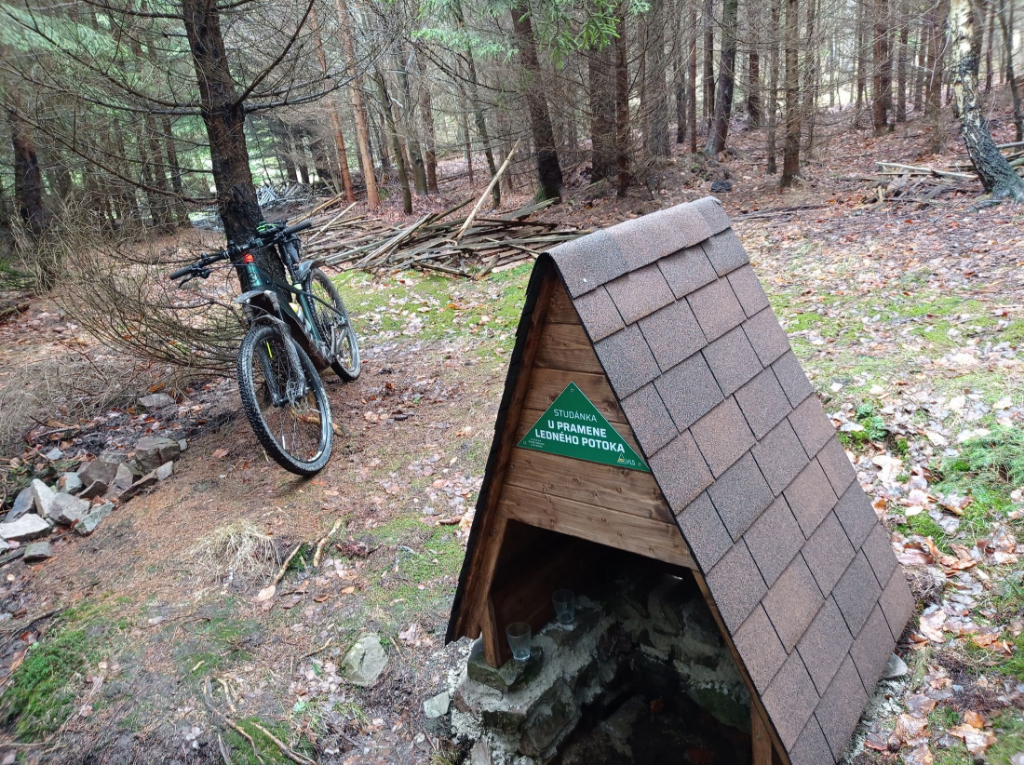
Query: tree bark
(656, 134)
(622, 102)
(28, 180)
(332, 108)
(601, 82)
(224, 116)
(396, 145)
(881, 95)
(691, 81)
(1018, 108)
(358, 110)
(812, 72)
(726, 80)
(794, 112)
(995, 172)
(901, 62)
(412, 140)
(773, 89)
(679, 77)
(427, 114)
(709, 61)
(754, 71)
(862, 59)
(478, 109)
(549, 173)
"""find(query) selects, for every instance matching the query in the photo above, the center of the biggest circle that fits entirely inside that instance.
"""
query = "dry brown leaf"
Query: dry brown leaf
(974, 719)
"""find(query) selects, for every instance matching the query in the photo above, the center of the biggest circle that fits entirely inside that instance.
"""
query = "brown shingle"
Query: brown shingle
(689, 391)
(716, 308)
(774, 539)
(810, 497)
(673, 334)
(855, 512)
(725, 251)
(760, 648)
(811, 424)
(723, 436)
(871, 649)
(857, 593)
(703, 531)
(897, 603)
(640, 293)
(732, 361)
(792, 378)
(627, 360)
(687, 270)
(681, 472)
(767, 337)
(840, 707)
(878, 549)
(588, 262)
(714, 214)
(792, 602)
(740, 495)
(780, 456)
(748, 289)
(649, 419)
(763, 402)
(598, 313)
(837, 465)
(737, 586)
(825, 645)
(811, 748)
(790, 700)
(828, 552)
(646, 239)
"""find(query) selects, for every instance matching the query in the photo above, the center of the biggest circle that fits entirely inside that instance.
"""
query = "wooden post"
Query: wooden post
(759, 738)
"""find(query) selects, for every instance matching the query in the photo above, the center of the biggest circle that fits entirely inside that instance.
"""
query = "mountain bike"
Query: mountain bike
(297, 328)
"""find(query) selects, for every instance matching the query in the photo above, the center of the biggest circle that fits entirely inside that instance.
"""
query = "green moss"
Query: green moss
(1013, 333)
(43, 691)
(214, 642)
(955, 755)
(987, 469)
(242, 750)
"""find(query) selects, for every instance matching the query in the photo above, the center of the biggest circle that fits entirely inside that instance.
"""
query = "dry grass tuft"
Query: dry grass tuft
(239, 552)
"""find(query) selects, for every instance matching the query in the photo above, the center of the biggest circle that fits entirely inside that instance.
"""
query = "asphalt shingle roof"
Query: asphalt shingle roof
(795, 559)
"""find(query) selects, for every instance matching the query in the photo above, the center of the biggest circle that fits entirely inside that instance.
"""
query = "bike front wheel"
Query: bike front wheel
(287, 407)
(331, 321)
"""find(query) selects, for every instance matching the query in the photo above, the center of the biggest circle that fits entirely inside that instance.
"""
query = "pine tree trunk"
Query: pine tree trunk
(224, 117)
(995, 172)
(709, 61)
(919, 72)
(862, 60)
(1011, 77)
(812, 70)
(726, 81)
(549, 173)
(881, 94)
(408, 122)
(622, 102)
(28, 180)
(656, 134)
(773, 89)
(901, 62)
(396, 146)
(679, 76)
(794, 112)
(754, 73)
(478, 109)
(358, 110)
(427, 114)
(601, 82)
(989, 38)
(299, 156)
(332, 108)
(691, 81)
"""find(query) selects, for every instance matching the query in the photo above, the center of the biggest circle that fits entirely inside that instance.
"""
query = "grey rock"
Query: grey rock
(95, 489)
(38, 551)
(165, 471)
(365, 661)
(124, 478)
(66, 509)
(481, 754)
(103, 468)
(53, 454)
(145, 482)
(23, 503)
(894, 668)
(549, 721)
(89, 523)
(70, 483)
(512, 674)
(156, 401)
(42, 496)
(28, 527)
(153, 451)
(182, 444)
(4, 547)
(437, 706)
(721, 187)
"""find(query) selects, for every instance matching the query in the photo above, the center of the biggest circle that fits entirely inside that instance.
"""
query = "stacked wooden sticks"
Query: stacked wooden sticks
(470, 246)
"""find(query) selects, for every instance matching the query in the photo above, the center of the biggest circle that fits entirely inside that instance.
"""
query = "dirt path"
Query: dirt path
(909, 321)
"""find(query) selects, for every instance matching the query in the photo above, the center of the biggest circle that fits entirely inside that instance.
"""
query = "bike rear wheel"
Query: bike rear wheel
(329, 314)
(287, 408)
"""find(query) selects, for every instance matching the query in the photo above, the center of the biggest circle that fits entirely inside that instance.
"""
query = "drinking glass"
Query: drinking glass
(565, 606)
(518, 634)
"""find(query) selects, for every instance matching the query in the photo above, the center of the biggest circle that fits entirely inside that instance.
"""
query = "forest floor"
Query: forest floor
(908, 317)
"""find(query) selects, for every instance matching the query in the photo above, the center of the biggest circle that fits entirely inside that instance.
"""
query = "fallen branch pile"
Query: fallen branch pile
(472, 246)
(921, 184)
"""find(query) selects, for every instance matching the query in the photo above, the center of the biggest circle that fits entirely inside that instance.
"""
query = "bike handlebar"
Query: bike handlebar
(237, 249)
(295, 229)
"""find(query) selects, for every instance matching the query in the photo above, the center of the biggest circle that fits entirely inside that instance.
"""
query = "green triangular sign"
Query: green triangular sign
(572, 427)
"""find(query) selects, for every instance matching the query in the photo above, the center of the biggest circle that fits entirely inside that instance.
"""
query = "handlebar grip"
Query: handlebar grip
(181, 272)
(295, 229)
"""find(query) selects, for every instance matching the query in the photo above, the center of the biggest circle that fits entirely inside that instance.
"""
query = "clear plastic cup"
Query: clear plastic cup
(565, 606)
(519, 634)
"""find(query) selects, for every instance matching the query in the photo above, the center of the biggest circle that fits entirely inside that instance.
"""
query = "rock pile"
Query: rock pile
(83, 499)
